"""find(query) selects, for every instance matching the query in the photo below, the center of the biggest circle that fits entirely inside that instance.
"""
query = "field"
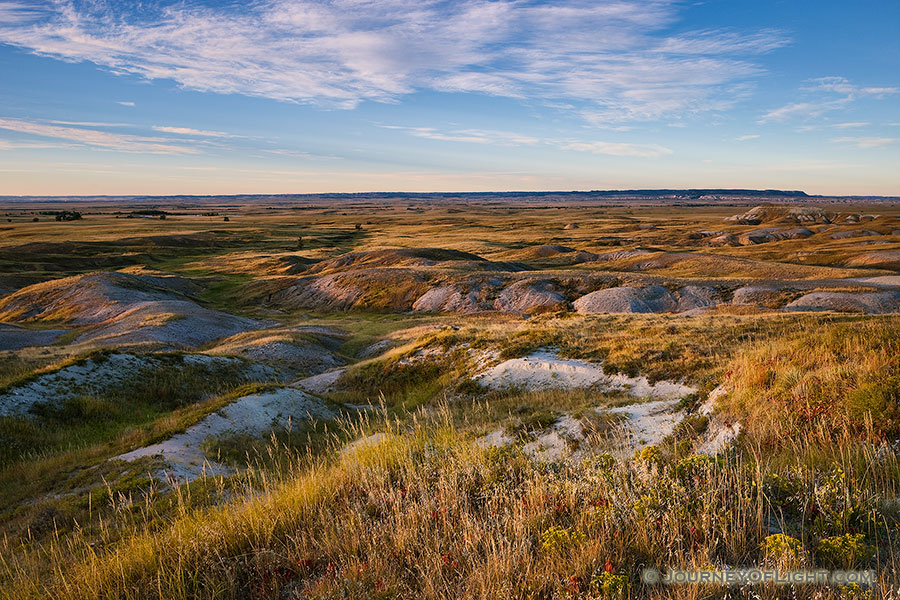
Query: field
(448, 396)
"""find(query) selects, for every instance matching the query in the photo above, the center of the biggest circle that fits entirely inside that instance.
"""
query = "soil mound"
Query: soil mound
(649, 299)
(873, 303)
(759, 295)
(174, 323)
(773, 234)
(778, 213)
(463, 297)
(393, 257)
(530, 297)
(885, 259)
(92, 298)
(372, 289)
(298, 350)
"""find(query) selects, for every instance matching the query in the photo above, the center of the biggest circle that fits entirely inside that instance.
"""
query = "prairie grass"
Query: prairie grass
(844, 377)
(421, 511)
(48, 460)
(425, 513)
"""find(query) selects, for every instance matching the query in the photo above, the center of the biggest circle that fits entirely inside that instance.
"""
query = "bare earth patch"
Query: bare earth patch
(544, 369)
(251, 415)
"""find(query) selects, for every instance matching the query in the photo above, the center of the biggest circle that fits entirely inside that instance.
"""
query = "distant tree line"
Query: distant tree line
(63, 215)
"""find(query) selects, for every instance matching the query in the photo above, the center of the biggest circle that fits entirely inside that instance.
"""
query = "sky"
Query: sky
(124, 97)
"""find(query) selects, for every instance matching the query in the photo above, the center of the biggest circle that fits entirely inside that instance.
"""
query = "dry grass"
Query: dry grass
(426, 514)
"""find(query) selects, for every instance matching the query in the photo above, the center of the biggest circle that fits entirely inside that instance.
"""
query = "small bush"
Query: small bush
(848, 550)
(558, 539)
(610, 585)
(694, 465)
(781, 548)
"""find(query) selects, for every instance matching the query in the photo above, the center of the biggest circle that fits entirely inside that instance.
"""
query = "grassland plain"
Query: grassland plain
(777, 325)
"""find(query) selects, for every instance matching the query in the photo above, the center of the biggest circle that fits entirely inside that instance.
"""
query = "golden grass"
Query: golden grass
(424, 513)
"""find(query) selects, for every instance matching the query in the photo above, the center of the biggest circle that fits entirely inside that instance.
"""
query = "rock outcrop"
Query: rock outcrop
(872, 303)
(529, 297)
(649, 299)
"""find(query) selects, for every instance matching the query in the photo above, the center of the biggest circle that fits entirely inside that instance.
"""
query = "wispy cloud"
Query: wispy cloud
(745, 138)
(806, 110)
(850, 125)
(17, 12)
(612, 59)
(618, 149)
(474, 136)
(865, 142)
(506, 138)
(827, 94)
(841, 85)
(188, 131)
(96, 138)
(125, 103)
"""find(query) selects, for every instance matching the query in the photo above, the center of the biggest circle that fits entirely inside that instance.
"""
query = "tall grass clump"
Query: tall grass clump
(832, 379)
(420, 511)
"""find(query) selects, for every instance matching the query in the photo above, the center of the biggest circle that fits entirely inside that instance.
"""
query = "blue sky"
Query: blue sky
(293, 96)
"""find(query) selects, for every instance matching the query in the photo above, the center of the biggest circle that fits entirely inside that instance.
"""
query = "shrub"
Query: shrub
(650, 455)
(694, 466)
(781, 548)
(610, 585)
(846, 550)
(558, 539)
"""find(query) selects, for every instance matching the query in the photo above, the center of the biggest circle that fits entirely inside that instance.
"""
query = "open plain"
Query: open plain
(447, 395)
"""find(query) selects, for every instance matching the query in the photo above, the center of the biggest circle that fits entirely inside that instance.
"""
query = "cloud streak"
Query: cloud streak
(506, 138)
(474, 136)
(614, 58)
(865, 142)
(618, 149)
(188, 131)
(105, 140)
(828, 94)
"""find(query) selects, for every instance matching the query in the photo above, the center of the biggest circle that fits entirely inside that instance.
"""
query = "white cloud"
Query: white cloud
(745, 138)
(474, 136)
(806, 110)
(17, 12)
(190, 132)
(865, 142)
(16, 145)
(505, 138)
(125, 103)
(823, 92)
(612, 58)
(850, 125)
(96, 138)
(841, 85)
(618, 149)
